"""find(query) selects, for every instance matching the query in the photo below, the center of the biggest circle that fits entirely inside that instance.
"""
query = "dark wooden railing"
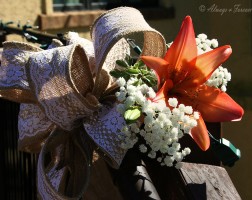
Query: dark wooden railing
(18, 169)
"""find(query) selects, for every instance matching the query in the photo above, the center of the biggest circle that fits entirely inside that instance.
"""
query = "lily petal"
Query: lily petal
(162, 94)
(200, 134)
(159, 65)
(213, 104)
(182, 50)
(205, 64)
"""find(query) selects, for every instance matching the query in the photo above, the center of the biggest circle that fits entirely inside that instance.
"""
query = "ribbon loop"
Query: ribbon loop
(61, 78)
(14, 84)
(119, 23)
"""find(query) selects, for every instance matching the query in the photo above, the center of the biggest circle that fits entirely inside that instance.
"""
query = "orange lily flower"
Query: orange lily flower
(182, 74)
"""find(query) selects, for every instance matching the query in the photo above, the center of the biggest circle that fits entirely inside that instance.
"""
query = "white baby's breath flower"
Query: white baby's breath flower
(151, 93)
(178, 156)
(174, 131)
(188, 110)
(186, 118)
(121, 82)
(208, 42)
(159, 106)
(131, 81)
(171, 151)
(142, 132)
(168, 160)
(131, 89)
(164, 148)
(166, 111)
(200, 47)
(147, 107)
(134, 127)
(181, 107)
(148, 119)
(147, 127)
(121, 96)
(162, 117)
(173, 102)
(205, 47)
(140, 98)
(223, 88)
(198, 41)
(143, 148)
(123, 145)
(152, 154)
(202, 36)
(178, 165)
(130, 101)
(180, 134)
(176, 146)
(192, 123)
(144, 89)
(186, 151)
(196, 115)
(214, 43)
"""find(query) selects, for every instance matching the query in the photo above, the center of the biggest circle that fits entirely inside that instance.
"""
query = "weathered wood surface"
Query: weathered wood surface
(101, 184)
(193, 182)
(208, 182)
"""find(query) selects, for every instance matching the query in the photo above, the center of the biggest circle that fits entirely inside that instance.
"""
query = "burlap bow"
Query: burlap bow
(66, 93)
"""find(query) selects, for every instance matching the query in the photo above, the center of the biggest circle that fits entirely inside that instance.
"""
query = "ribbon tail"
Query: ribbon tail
(64, 166)
(104, 127)
(33, 127)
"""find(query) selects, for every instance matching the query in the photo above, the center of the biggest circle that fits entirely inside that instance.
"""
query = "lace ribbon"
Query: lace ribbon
(67, 97)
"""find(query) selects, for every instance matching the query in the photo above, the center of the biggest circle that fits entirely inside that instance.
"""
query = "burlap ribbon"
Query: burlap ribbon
(66, 93)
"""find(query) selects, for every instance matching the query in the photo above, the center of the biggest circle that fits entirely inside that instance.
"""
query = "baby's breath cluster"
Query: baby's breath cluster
(204, 44)
(221, 76)
(159, 127)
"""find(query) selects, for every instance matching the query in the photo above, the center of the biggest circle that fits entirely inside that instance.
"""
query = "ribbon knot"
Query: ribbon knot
(67, 97)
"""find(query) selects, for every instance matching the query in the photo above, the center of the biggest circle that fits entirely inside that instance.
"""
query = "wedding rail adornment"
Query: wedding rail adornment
(84, 90)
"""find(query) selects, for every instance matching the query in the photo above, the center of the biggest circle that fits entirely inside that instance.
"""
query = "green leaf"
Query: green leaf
(139, 64)
(117, 74)
(122, 63)
(144, 72)
(131, 115)
(133, 71)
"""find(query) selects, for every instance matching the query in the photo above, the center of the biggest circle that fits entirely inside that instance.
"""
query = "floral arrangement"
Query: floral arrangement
(67, 97)
(162, 99)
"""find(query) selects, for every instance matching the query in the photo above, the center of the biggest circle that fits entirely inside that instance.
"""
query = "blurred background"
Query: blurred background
(228, 21)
